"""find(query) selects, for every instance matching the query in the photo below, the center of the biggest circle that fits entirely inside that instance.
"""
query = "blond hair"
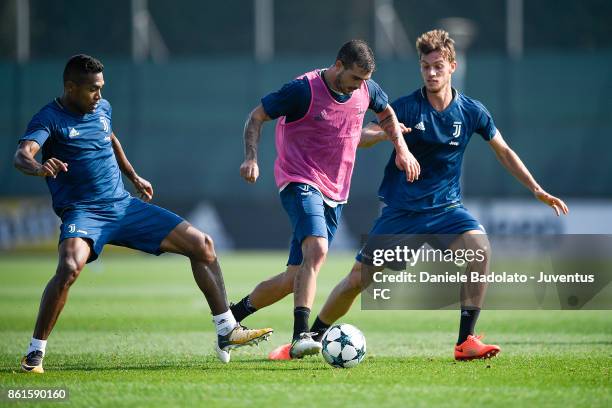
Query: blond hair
(436, 40)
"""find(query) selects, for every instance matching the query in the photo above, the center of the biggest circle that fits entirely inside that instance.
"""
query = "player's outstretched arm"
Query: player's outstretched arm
(143, 187)
(25, 161)
(404, 160)
(249, 170)
(372, 134)
(512, 162)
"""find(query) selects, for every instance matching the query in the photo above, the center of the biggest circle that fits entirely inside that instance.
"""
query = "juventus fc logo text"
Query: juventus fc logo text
(104, 124)
(457, 127)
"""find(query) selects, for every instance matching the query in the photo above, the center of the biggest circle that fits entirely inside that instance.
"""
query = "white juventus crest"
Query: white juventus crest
(457, 127)
(71, 228)
(104, 124)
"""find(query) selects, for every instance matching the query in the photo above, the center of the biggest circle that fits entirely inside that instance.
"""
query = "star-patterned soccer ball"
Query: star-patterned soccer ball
(343, 346)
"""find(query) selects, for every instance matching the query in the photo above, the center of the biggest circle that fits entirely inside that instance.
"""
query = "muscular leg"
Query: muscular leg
(344, 294)
(187, 240)
(274, 289)
(270, 291)
(472, 294)
(297, 279)
(314, 250)
(73, 255)
(199, 248)
(266, 293)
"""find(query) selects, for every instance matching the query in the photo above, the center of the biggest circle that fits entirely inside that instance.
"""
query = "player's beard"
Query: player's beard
(338, 84)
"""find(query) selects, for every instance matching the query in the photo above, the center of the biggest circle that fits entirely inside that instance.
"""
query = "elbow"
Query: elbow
(258, 115)
(17, 160)
(20, 160)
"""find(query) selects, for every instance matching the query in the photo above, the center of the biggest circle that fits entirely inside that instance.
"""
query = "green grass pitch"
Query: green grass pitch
(137, 332)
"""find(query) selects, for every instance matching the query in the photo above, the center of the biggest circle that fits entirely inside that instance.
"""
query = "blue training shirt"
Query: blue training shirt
(438, 141)
(84, 142)
(293, 99)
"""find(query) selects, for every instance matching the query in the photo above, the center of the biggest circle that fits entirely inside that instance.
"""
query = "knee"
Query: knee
(474, 246)
(69, 269)
(205, 249)
(479, 251)
(483, 251)
(314, 250)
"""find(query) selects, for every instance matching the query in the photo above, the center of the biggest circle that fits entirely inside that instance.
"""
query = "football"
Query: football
(344, 346)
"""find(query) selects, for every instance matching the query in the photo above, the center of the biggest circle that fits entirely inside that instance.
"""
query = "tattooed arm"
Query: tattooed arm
(249, 170)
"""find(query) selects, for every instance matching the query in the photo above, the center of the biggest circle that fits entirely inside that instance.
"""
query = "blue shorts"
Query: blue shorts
(443, 224)
(129, 223)
(309, 216)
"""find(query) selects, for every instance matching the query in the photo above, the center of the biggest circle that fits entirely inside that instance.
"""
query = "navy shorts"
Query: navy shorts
(309, 216)
(129, 223)
(394, 225)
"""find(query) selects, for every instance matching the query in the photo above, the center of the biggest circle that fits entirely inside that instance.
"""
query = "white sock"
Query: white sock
(36, 344)
(224, 322)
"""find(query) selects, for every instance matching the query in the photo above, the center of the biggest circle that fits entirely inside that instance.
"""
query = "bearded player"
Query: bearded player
(320, 116)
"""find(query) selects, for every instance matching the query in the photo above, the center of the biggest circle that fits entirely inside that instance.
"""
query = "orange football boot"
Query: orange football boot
(281, 352)
(472, 348)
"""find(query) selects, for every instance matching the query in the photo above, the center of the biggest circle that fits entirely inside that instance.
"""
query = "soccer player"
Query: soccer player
(441, 122)
(82, 161)
(321, 114)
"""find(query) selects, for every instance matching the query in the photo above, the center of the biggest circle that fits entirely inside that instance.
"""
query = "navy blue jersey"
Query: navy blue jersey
(84, 142)
(438, 141)
(293, 99)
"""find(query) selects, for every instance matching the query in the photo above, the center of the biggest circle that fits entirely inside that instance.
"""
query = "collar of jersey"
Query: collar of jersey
(68, 111)
(450, 105)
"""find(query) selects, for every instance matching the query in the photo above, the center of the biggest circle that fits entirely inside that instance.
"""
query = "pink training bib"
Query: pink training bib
(320, 148)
